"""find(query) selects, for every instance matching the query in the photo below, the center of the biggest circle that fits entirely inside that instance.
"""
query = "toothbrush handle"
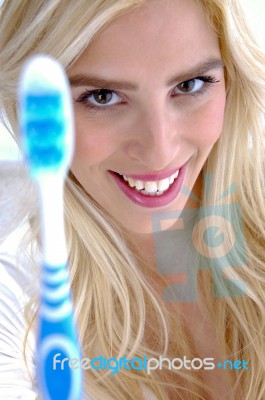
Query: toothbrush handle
(58, 376)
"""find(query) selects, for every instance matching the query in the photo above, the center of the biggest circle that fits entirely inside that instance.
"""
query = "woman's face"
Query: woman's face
(149, 99)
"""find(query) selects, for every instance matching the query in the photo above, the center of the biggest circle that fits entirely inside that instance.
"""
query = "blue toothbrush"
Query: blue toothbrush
(46, 123)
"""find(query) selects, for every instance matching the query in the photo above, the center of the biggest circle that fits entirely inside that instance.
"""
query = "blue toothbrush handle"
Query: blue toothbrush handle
(58, 375)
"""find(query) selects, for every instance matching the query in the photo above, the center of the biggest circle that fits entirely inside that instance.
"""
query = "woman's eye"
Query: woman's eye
(100, 98)
(108, 100)
(191, 86)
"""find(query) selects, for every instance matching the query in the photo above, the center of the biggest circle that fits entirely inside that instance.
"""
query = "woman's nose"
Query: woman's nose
(154, 140)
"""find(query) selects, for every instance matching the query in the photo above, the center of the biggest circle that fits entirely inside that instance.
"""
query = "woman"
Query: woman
(167, 96)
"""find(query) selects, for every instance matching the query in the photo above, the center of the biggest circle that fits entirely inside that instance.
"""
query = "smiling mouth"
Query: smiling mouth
(150, 193)
(150, 188)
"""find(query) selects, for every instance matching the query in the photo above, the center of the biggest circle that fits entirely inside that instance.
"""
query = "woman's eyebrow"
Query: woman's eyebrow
(100, 82)
(199, 69)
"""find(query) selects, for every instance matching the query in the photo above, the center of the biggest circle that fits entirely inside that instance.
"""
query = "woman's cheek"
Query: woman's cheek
(92, 144)
(206, 124)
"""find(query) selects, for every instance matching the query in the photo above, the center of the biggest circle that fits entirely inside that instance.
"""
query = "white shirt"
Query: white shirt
(15, 382)
(18, 283)
(15, 291)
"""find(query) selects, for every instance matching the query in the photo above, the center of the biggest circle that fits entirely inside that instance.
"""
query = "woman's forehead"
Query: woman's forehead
(155, 34)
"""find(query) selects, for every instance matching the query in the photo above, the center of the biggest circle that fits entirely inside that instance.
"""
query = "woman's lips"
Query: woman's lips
(149, 201)
(154, 177)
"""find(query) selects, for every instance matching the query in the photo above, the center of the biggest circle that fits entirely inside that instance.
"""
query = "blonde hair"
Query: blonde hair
(117, 309)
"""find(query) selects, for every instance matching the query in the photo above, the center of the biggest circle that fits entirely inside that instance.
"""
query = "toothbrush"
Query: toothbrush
(46, 124)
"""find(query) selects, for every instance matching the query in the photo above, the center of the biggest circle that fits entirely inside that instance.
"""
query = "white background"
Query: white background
(255, 12)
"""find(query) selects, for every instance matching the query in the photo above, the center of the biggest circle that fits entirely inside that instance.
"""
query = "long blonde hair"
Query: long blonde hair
(117, 309)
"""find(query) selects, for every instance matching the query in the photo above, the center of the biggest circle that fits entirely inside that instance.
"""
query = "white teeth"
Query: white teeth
(152, 188)
(139, 185)
(163, 185)
(131, 182)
